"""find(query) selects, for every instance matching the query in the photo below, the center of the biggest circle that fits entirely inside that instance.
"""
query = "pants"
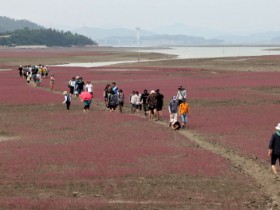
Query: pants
(173, 118)
(184, 118)
(68, 105)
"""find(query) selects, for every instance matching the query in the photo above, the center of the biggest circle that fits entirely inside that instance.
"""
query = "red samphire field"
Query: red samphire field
(53, 159)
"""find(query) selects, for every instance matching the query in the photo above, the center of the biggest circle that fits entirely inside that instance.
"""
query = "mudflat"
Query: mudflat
(125, 161)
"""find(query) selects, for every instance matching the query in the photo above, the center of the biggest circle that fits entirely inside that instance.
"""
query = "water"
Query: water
(215, 52)
(193, 52)
(94, 64)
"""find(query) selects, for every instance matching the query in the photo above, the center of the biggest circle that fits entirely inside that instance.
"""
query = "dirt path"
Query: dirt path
(262, 174)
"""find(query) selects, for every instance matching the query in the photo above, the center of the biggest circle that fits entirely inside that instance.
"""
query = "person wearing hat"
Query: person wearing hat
(173, 111)
(67, 100)
(274, 150)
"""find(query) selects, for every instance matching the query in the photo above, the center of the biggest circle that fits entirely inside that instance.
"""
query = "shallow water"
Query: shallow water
(94, 64)
(192, 52)
(215, 52)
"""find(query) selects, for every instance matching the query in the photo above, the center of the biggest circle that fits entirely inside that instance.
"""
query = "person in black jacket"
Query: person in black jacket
(159, 104)
(274, 150)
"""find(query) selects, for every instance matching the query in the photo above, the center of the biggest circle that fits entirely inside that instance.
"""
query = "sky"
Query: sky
(225, 16)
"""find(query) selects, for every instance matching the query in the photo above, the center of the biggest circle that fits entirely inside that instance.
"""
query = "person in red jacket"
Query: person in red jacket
(274, 150)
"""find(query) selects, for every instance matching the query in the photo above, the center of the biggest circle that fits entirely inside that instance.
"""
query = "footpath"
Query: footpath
(262, 174)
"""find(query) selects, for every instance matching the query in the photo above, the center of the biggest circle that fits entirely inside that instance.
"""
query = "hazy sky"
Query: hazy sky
(233, 16)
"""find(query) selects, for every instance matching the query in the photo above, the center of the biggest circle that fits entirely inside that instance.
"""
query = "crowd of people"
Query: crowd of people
(33, 73)
(79, 88)
(150, 102)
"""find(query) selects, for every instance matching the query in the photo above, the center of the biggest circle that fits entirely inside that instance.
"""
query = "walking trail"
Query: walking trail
(262, 174)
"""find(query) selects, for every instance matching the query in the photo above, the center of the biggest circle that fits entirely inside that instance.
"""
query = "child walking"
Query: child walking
(184, 110)
(52, 79)
(67, 100)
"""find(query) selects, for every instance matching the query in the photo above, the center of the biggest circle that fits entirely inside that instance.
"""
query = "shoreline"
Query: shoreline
(11, 58)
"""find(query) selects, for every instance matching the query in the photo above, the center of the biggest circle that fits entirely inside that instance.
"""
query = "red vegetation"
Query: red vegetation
(58, 152)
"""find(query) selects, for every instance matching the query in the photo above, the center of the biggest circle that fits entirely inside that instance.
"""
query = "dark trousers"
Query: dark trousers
(68, 105)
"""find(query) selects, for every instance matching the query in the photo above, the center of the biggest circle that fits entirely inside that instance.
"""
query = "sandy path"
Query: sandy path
(262, 174)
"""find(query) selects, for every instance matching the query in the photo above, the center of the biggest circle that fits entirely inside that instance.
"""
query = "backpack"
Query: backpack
(114, 100)
(121, 97)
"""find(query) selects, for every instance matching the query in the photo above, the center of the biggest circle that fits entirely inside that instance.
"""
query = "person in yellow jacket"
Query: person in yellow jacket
(184, 111)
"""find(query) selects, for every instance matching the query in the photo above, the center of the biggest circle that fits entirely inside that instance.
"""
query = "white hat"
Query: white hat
(278, 127)
(152, 91)
(64, 92)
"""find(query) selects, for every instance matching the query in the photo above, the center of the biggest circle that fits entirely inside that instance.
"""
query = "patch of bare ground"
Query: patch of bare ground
(6, 138)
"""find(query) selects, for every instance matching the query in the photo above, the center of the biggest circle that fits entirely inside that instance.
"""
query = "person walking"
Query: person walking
(52, 79)
(71, 85)
(67, 100)
(274, 150)
(89, 87)
(152, 103)
(184, 110)
(143, 100)
(159, 104)
(106, 93)
(113, 101)
(80, 85)
(181, 94)
(20, 70)
(115, 88)
(173, 111)
(133, 101)
(86, 100)
(121, 100)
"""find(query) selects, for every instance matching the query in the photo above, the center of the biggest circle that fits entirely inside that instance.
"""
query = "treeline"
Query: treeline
(9, 24)
(48, 37)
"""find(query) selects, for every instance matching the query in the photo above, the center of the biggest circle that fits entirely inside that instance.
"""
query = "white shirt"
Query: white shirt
(181, 94)
(89, 88)
(133, 99)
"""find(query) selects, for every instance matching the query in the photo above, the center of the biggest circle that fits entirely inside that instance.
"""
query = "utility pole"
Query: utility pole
(138, 41)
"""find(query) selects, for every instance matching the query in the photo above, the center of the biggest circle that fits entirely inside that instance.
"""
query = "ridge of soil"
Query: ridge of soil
(250, 166)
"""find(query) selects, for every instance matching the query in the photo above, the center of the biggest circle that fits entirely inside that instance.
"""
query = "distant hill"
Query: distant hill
(100, 33)
(158, 40)
(23, 32)
(9, 24)
(182, 29)
(258, 38)
(47, 37)
(128, 37)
